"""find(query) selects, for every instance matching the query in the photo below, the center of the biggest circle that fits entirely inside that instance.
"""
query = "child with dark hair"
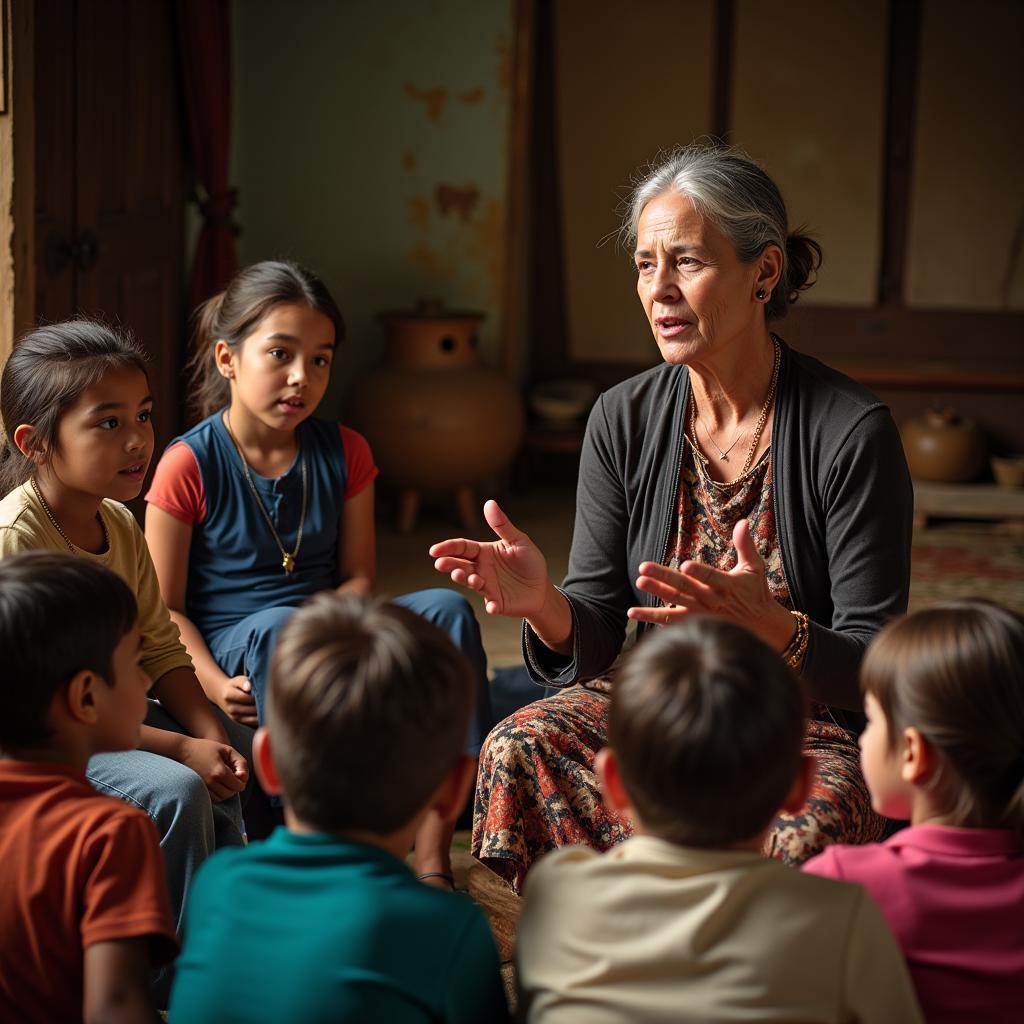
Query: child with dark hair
(76, 409)
(687, 921)
(263, 504)
(323, 921)
(944, 748)
(82, 895)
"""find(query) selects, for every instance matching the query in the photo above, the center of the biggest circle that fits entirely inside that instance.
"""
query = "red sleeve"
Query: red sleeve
(124, 893)
(177, 486)
(359, 459)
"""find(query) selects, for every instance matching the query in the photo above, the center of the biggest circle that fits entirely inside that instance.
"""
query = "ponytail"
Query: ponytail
(800, 271)
(237, 311)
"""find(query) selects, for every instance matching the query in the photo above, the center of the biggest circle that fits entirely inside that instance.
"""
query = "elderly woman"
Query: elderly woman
(738, 478)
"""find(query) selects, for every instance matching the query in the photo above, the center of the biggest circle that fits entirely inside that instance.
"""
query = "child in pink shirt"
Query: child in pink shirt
(944, 747)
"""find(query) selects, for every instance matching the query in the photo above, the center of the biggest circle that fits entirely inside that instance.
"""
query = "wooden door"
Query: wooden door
(110, 178)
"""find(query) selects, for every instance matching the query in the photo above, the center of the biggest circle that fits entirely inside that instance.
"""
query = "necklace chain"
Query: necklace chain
(57, 526)
(723, 455)
(758, 428)
(287, 558)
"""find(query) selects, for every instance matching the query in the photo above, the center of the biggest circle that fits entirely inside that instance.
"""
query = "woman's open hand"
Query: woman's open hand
(510, 573)
(740, 595)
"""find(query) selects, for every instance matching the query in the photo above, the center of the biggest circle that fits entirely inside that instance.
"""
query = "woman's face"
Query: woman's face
(699, 297)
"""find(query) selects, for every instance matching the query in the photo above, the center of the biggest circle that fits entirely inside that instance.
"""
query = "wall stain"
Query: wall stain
(485, 245)
(433, 262)
(419, 212)
(462, 201)
(409, 161)
(473, 96)
(434, 99)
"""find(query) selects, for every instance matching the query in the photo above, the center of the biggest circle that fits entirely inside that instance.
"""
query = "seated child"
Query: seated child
(686, 921)
(367, 711)
(944, 747)
(83, 901)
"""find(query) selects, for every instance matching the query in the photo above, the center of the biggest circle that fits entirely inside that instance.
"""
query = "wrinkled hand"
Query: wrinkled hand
(235, 698)
(510, 573)
(222, 768)
(740, 595)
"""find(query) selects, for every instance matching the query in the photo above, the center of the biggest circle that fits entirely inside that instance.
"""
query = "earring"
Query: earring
(761, 293)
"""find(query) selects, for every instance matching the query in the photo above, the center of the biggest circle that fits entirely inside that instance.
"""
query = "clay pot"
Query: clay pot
(944, 447)
(435, 418)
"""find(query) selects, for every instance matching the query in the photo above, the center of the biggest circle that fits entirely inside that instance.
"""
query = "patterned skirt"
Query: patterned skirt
(537, 791)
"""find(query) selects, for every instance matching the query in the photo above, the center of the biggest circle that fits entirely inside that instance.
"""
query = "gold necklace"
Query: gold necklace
(287, 558)
(758, 428)
(56, 525)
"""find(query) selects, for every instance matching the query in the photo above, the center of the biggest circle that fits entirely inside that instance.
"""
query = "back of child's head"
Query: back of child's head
(707, 726)
(45, 375)
(368, 710)
(59, 615)
(236, 312)
(955, 672)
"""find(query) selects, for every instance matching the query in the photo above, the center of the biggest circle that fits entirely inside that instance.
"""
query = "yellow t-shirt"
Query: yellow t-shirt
(24, 526)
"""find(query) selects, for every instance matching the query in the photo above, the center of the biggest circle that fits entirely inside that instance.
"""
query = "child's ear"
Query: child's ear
(451, 795)
(78, 699)
(24, 437)
(224, 359)
(263, 762)
(606, 767)
(801, 788)
(917, 757)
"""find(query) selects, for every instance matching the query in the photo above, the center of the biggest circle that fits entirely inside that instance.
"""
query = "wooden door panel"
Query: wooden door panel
(130, 182)
(55, 144)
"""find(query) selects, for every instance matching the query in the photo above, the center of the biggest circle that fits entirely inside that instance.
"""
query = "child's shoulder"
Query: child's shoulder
(20, 527)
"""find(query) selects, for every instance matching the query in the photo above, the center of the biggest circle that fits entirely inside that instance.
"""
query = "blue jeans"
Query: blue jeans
(190, 825)
(246, 648)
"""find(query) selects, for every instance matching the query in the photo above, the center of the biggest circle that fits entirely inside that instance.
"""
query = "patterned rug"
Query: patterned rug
(958, 561)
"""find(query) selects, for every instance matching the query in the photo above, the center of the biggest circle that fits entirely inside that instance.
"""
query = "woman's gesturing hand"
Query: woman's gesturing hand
(740, 595)
(510, 573)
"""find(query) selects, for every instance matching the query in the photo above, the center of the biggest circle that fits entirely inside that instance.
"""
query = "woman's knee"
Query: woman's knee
(444, 608)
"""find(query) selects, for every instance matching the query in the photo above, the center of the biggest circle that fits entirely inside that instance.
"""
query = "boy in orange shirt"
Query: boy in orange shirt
(82, 892)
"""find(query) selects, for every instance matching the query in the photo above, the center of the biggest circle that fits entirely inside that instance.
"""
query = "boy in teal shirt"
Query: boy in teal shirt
(367, 713)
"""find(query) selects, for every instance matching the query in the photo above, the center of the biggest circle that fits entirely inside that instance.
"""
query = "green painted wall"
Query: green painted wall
(371, 144)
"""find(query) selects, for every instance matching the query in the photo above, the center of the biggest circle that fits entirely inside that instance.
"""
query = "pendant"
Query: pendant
(725, 456)
(287, 563)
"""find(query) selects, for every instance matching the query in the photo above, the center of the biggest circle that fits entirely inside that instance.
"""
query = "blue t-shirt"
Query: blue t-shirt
(313, 928)
(234, 562)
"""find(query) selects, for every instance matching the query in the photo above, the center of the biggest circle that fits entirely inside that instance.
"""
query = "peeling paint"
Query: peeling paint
(485, 243)
(419, 212)
(433, 262)
(473, 96)
(434, 99)
(409, 161)
(451, 198)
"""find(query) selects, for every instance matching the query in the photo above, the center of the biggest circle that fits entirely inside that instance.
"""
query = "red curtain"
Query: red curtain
(204, 43)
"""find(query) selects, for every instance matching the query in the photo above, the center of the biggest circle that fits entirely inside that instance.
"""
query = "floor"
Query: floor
(403, 564)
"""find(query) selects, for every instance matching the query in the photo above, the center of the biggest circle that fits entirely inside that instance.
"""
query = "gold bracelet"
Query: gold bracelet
(797, 647)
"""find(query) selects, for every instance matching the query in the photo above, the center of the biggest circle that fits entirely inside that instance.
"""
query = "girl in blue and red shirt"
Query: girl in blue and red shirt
(260, 505)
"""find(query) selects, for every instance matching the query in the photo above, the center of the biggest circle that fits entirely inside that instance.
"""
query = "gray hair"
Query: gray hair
(729, 188)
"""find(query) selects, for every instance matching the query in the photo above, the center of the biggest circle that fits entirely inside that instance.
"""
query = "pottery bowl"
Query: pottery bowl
(1008, 470)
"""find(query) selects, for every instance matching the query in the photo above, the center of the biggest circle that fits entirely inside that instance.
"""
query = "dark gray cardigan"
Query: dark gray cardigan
(843, 509)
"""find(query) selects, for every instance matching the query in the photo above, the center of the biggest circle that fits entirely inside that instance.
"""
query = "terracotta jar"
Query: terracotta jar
(944, 447)
(435, 418)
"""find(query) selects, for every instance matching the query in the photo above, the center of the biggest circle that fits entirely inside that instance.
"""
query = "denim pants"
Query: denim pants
(190, 825)
(245, 649)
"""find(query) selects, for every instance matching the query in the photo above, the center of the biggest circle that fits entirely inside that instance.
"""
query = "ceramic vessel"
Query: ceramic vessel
(944, 447)
(436, 418)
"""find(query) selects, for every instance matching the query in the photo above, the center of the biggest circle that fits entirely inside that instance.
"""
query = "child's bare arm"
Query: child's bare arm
(357, 545)
(169, 541)
(116, 983)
